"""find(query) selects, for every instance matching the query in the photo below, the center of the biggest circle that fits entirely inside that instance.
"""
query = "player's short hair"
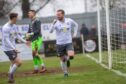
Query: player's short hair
(32, 11)
(62, 11)
(13, 15)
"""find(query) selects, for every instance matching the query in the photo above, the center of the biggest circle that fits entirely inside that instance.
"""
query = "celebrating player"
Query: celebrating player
(64, 27)
(9, 34)
(35, 37)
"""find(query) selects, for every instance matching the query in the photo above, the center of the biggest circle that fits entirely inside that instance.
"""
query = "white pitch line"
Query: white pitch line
(115, 71)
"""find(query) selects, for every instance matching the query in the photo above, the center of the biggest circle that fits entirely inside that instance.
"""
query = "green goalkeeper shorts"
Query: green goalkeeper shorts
(36, 45)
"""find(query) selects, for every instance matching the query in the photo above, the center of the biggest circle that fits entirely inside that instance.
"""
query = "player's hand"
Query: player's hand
(27, 36)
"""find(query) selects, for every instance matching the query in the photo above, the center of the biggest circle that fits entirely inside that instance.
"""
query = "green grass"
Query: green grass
(88, 73)
(118, 59)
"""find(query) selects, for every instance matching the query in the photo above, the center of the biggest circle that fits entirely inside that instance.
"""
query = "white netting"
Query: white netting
(112, 25)
(117, 27)
(118, 36)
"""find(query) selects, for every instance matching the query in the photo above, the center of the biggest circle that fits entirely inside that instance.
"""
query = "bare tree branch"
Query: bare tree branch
(47, 1)
(25, 8)
(112, 3)
(6, 7)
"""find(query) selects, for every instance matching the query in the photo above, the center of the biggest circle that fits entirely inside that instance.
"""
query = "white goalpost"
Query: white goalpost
(111, 19)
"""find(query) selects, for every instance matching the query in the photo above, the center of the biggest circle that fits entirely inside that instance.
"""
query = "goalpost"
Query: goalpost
(111, 16)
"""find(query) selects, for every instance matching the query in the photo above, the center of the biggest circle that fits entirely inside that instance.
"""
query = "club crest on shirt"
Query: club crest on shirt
(64, 29)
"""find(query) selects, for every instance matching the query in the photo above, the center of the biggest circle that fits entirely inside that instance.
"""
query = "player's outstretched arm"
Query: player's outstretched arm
(75, 27)
(53, 26)
(24, 41)
(20, 38)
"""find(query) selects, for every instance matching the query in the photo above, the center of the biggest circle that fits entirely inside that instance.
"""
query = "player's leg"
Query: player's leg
(15, 63)
(41, 62)
(70, 53)
(61, 54)
(63, 65)
(35, 59)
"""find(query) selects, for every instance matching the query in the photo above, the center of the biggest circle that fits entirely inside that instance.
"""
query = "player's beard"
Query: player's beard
(60, 18)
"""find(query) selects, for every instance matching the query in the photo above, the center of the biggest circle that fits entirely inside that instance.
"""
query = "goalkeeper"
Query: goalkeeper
(34, 36)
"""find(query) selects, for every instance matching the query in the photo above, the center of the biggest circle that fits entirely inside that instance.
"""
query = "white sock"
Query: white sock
(13, 69)
(36, 67)
(64, 67)
(43, 65)
(10, 68)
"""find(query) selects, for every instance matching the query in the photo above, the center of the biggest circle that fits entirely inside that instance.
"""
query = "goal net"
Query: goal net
(111, 34)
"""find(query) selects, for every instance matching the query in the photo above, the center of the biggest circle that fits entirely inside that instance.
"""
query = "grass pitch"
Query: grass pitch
(82, 71)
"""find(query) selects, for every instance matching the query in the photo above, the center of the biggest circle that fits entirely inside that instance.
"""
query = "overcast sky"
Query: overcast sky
(70, 7)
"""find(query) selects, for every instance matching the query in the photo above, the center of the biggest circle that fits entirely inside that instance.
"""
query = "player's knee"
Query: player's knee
(71, 54)
(19, 63)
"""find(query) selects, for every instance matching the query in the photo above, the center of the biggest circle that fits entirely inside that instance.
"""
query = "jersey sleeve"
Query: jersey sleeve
(53, 26)
(75, 26)
(6, 36)
(17, 33)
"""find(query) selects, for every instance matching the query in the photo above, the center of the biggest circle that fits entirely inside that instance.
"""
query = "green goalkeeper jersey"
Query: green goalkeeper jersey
(35, 28)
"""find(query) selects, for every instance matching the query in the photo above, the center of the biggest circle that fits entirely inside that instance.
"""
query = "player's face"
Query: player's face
(31, 14)
(60, 16)
(14, 20)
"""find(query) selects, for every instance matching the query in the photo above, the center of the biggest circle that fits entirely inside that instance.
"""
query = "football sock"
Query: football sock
(13, 69)
(40, 61)
(64, 66)
(10, 68)
(36, 63)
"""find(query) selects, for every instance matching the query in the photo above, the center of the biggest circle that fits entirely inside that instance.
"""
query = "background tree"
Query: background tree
(6, 6)
(112, 3)
(25, 8)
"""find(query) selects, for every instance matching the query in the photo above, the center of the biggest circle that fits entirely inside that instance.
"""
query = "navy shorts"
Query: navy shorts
(12, 55)
(63, 49)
